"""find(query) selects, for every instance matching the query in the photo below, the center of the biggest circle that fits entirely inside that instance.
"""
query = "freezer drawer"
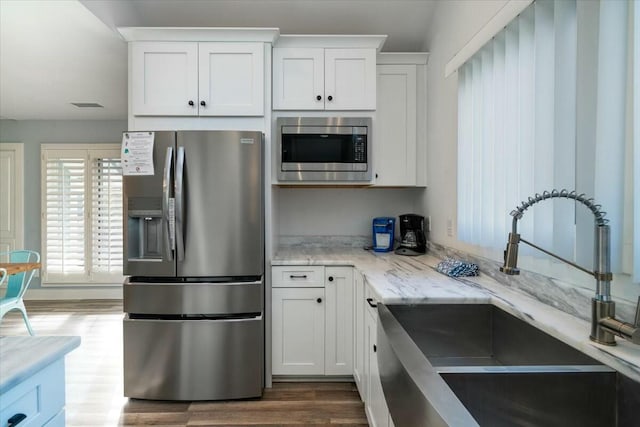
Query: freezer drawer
(193, 359)
(192, 298)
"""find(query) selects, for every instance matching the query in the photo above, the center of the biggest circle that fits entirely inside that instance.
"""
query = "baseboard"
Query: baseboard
(313, 378)
(69, 294)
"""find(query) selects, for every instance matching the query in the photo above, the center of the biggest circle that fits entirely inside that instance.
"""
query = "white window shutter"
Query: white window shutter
(106, 215)
(82, 214)
(64, 212)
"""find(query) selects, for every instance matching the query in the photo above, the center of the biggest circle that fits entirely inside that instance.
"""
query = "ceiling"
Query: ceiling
(55, 52)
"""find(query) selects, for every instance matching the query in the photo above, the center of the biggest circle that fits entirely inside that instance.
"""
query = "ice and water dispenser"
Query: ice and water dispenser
(144, 226)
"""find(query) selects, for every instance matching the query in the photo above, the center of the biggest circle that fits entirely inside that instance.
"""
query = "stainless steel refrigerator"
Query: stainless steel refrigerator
(194, 253)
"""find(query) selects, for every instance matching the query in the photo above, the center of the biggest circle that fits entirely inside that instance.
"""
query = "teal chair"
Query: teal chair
(17, 285)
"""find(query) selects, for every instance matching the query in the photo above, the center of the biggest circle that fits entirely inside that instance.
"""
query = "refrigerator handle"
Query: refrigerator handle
(179, 193)
(167, 207)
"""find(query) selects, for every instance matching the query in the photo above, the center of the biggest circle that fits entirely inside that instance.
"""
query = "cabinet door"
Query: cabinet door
(339, 321)
(395, 135)
(350, 79)
(164, 78)
(298, 331)
(298, 79)
(376, 406)
(359, 330)
(231, 79)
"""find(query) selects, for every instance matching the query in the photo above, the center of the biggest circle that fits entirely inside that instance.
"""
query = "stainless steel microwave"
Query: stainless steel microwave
(324, 148)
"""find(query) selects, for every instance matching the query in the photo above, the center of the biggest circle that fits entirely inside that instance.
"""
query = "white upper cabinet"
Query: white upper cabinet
(298, 79)
(197, 79)
(395, 137)
(324, 79)
(350, 79)
(325, 72)
(231, 79)
(400, 127)
(164, 78)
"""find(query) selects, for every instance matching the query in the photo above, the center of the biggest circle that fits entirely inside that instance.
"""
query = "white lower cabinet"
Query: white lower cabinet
(375, 404)
(338, 346)
(359, 347)
(298, 326)
(312, 325)
(327, 325)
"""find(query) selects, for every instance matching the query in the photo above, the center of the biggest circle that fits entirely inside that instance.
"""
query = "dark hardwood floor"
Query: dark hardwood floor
(94, 380)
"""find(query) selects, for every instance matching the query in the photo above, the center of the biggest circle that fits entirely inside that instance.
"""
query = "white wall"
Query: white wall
(454, 23)
(32, 133)
(341, 212)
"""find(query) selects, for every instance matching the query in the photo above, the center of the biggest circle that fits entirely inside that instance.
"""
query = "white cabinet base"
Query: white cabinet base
(312, 321)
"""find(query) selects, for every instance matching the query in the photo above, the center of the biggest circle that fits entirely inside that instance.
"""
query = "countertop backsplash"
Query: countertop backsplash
(309, 242)
(569, 298)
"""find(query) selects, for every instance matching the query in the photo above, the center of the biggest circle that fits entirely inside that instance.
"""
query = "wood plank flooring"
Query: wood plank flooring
(94, 380)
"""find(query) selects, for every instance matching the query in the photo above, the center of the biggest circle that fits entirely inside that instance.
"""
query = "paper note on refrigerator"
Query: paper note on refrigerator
(137, 153)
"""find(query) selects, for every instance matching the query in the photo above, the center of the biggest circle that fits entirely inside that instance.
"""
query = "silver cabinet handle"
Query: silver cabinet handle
(169, 229)
(179, 193)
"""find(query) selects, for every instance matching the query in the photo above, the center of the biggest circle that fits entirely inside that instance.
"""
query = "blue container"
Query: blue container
(383, 231)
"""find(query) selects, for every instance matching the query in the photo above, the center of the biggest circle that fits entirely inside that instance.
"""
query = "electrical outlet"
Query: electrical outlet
(450, 227)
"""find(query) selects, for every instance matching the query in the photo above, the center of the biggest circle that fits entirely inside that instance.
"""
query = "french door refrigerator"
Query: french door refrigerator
(194, 253)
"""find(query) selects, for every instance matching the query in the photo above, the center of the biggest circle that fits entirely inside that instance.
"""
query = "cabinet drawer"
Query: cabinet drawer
(297, 276)
(177, 359)
(39, 397)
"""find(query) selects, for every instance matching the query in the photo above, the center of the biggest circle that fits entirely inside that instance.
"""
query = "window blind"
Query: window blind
(543, 106)
(82, 215)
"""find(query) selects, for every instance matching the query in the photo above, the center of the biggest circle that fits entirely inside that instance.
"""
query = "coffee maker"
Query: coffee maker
(412, 238)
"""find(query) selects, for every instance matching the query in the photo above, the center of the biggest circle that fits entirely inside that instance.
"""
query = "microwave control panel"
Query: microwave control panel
(360, 148)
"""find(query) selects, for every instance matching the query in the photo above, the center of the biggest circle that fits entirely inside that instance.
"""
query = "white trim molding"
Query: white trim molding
(18, 149)
(114, 293)
(509, 11)
(197, 34)
(331, 41)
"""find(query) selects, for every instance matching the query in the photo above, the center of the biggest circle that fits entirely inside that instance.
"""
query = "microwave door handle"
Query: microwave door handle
(167, 208)
(179, 192)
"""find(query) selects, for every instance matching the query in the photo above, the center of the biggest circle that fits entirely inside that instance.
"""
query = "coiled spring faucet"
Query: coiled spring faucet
(604, 325)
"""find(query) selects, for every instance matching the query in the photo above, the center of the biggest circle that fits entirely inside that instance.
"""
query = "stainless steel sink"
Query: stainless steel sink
(483, 335)
(466, 364)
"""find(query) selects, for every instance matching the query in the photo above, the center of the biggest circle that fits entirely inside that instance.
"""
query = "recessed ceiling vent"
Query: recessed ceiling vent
(87, 105)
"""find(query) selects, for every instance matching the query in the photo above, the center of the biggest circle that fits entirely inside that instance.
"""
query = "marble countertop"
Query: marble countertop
(399, 279)
(21, 357)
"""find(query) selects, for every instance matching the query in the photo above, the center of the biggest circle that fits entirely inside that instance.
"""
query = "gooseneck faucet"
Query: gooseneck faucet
(604, 325)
